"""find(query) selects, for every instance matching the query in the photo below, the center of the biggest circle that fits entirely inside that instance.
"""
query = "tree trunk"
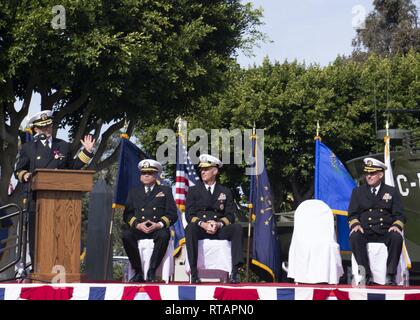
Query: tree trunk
(301, 192)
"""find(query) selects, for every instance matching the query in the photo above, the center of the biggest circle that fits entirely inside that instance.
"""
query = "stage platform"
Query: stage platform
(207, 291)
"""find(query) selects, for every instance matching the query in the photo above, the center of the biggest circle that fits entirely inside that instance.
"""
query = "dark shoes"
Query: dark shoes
(369, 281)
(234, 277)
(151, 276)
(195, 279)
(390, 280)
(138, 277)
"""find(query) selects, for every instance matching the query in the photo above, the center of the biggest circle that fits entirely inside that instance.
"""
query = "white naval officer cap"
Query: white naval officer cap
(373, 165)
(150, 165)
(207, 161)
(41, 119)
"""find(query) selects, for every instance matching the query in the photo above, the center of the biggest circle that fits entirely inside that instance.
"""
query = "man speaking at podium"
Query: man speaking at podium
(46, 152)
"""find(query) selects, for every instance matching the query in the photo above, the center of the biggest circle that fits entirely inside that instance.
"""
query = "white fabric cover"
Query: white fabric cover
(378, 255)
(212, 255)
(166, 267)
(314, 254)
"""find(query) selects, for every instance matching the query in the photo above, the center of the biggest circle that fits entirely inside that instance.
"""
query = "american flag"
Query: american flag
(186, 175)
(11, 187)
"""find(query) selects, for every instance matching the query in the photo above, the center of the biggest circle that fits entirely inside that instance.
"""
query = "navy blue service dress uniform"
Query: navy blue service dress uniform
(203, 206)
(376, 214)
(44, 154)
(158, 206)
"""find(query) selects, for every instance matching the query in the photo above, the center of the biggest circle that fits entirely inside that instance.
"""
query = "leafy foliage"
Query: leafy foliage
(288, 99)
(391, 28)
(115, 62)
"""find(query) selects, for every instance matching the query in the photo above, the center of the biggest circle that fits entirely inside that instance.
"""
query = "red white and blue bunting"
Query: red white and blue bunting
(124, 291)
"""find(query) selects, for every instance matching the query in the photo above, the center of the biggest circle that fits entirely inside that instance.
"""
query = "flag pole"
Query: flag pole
(109, 241)
(248, 245)
(317, 137)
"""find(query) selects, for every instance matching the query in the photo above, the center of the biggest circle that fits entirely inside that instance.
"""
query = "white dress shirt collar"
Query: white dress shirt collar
(376, 189)
(47, 142)
(150, 186)
(211, 187)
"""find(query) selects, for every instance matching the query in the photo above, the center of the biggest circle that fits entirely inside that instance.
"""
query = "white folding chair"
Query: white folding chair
(314, 254)
(166, 267)
(214, 259)
(378, 255)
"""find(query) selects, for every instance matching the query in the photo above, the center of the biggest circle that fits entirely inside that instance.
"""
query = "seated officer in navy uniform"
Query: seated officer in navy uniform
(210, 212)
(375, 215)
(46, 152)
(149, 212)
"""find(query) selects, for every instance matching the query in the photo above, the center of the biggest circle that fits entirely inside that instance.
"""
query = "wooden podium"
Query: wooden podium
(58, 221)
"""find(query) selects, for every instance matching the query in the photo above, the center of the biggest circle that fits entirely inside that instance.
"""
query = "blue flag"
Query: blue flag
(333, 185)
(128, 175)
(265, 250)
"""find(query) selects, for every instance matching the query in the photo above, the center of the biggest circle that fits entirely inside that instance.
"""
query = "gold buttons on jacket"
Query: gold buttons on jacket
(204, 216)
(370, 226)
(215, 217)
(382, 224)
(381, 210)
(381, 219)
(142, 209)
(370, 210)
(154, 208)
(370, 218)
(142, 217)
(154, 217)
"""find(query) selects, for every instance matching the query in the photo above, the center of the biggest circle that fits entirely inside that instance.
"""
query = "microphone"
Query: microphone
(40, 136)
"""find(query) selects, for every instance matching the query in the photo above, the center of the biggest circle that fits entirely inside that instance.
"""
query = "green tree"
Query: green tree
(113, 63)
(392, 27)
(288, 99)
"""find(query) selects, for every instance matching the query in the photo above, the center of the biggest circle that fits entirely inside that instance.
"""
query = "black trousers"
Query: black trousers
(232, 232)
(31, 236)
(160, 239)
(393, 241)
(31, 231)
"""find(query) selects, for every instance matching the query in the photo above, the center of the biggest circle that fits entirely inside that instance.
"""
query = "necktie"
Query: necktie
(148, 190)
(374, 191)
(209, 190)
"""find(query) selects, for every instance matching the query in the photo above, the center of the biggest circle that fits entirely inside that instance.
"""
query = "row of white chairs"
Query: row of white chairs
(314, 255)
(214, 259)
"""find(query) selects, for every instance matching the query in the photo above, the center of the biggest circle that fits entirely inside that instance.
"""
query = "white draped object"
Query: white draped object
(166, 267)
(314, 254)
(212, 255)
(378, 255)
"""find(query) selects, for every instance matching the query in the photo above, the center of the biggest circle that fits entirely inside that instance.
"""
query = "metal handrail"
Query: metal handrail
(19, 213)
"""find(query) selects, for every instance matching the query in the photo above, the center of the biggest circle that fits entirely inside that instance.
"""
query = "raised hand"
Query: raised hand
(88, 142)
